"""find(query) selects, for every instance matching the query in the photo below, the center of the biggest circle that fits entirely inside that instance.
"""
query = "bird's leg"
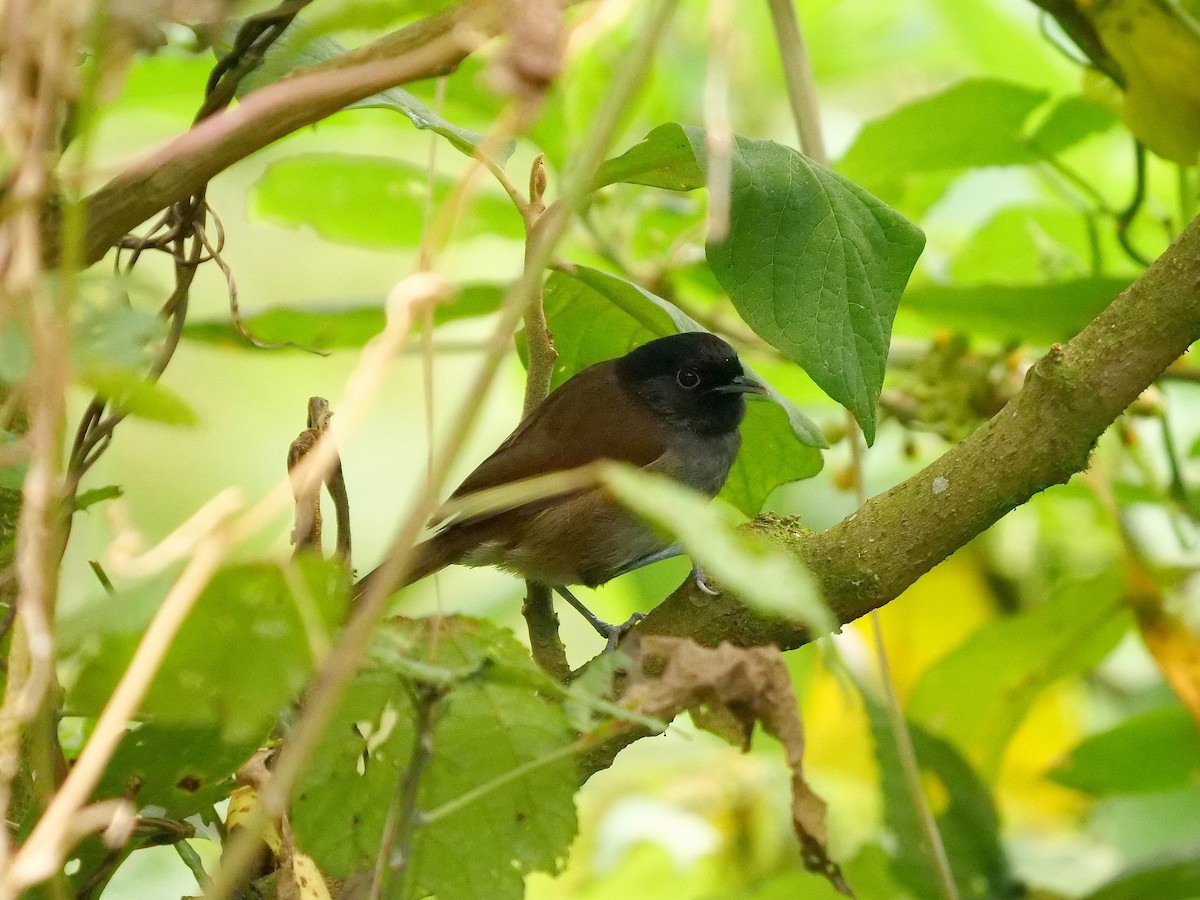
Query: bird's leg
(612, 634)
(670, 553)
(650, 558)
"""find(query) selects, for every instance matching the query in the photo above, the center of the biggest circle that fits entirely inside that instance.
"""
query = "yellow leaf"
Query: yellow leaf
(1158, 49)
(1174, 646)
(243, 803)
(309, 882)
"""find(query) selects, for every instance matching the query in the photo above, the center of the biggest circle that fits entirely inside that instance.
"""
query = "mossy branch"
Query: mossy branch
(1041, 438)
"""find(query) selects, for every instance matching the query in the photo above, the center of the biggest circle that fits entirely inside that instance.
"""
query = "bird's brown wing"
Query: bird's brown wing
(591, 417)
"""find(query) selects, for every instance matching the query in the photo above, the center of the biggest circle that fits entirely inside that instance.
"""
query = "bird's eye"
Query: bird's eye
(688, 379)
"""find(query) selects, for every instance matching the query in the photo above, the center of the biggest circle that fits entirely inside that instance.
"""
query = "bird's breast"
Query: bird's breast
(702, 462)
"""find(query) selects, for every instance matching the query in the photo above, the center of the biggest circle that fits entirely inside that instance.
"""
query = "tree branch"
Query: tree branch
(433, 46)
(1041, 438)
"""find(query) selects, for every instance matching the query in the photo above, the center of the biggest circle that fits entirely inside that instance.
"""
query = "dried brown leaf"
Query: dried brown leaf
(728, 689)
(536, 42)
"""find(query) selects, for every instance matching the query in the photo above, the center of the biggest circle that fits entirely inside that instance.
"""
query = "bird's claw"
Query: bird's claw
(702, 582)
(616, 632)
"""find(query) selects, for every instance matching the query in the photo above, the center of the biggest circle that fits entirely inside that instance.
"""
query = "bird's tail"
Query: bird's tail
(428, 557)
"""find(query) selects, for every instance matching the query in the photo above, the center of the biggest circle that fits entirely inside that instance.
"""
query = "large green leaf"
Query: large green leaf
(491, 722)
(241, 656)
(1035, 313)
(816, 266)
(979, 122)
(333, 329)
(368, 200)
(177, 769)
(968, 823)
(596, 316)
(976, 695)
(812, 262)
(1158, 750)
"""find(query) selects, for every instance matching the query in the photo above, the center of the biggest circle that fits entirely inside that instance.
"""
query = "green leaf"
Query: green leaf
(98, 495)
(1041, 313)
(1158, 750)
(762, 575)
(488, 725)
(812, 262)
(115, 336)
(979, 122)
(1178, 879)
(967, 819)
(364, 15)
(816, 266)
(671, 157)
(1157, 46)
(133, 395)
(293, 50)
(977, 694)
(596, 316)
(180, 769)
(334, 329)
(1070, 121)
(373, 201)
(241, 656)
(1025, 245)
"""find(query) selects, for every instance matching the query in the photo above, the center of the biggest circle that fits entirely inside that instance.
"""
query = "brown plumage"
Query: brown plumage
(672, 406)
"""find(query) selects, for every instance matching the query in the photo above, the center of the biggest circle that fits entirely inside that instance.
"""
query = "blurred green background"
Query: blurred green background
(983, 655)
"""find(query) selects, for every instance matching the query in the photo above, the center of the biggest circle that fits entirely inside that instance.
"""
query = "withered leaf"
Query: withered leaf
(728, 689)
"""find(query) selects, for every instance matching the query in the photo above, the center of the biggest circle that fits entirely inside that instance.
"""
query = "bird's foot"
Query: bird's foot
(701, 580)
(612, 634)
(616, 632)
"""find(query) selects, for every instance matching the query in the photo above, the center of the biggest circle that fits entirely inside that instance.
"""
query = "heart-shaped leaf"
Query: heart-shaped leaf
(814, 263)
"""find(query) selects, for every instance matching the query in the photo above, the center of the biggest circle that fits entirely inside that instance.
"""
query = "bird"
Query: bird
(672, 405)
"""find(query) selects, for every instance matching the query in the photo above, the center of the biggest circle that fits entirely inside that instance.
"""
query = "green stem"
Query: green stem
(452, 806)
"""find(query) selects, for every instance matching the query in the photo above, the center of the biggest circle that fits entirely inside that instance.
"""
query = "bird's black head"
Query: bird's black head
(694, 380)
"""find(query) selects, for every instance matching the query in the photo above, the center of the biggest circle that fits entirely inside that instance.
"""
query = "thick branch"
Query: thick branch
(1041, 438)
(430, 47)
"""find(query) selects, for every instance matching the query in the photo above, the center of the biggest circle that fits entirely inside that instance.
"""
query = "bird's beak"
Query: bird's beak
(742, 385)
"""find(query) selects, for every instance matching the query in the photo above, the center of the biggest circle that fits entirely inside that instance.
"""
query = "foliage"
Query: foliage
(988, 198)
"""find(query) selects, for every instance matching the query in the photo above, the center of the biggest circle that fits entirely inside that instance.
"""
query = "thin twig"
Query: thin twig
(1125, 217)
(404, 815)
(102, 577)
(797, 72)
(342, 662)
(718, 132)
(802, 90)
(36, 78)
(538, 340)
(192, 860)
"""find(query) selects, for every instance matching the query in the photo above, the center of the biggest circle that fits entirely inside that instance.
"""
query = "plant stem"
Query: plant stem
(343, 660)
(797, 72)
(404, 817)
(802, 90)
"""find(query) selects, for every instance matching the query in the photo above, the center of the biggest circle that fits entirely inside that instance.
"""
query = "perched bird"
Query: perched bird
(672, 405)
